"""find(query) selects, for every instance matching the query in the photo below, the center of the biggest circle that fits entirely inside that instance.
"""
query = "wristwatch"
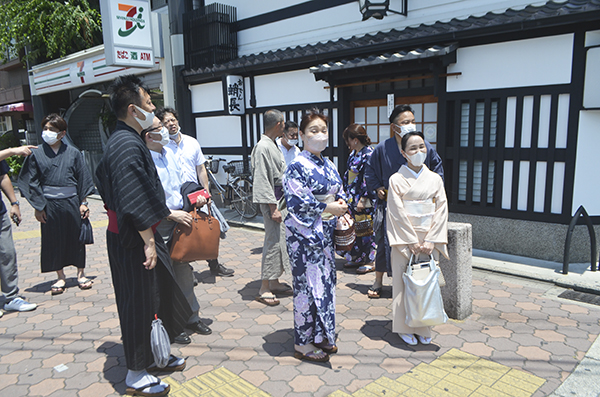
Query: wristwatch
(85, 203)
(15, 203)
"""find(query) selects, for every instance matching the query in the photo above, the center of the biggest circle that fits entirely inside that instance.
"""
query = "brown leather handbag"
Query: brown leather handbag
(198, 242)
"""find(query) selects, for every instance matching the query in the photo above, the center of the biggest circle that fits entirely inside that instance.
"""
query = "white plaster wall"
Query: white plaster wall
(520, 63)
(219, 131)
(591, 91)
(207, 97)
(286, 88)
(345, 21)
(587, 163)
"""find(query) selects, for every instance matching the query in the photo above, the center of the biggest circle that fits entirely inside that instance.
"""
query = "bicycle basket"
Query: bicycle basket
(214, 165)
(238, 168)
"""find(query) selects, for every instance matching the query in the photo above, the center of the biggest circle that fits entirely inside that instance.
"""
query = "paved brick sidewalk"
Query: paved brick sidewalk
(70, 345)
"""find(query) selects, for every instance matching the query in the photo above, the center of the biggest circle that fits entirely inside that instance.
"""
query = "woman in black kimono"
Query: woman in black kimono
(56, 182)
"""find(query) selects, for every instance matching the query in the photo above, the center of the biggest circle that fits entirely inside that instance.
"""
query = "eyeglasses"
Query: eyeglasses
(153, 129)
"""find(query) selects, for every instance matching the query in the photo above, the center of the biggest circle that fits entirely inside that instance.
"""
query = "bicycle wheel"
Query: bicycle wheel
(242, 198)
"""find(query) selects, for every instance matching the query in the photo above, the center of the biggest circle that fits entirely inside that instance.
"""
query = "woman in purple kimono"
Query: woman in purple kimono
(359, 197)
(314, 195)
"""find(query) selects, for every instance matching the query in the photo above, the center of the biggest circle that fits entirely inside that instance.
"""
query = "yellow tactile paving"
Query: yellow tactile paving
(217, 383)
(37, 233)
(455, 373)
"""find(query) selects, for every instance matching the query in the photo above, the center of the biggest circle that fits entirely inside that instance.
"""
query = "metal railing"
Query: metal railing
(580, 212)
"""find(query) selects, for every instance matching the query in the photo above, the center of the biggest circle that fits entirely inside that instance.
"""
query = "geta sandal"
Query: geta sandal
(84, 283)
(58, 288)
(132, 391)
(312, 356)
(365, 269)
(268, 298)
(327, 348)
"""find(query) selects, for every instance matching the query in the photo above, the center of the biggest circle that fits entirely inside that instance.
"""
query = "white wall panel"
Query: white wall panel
(558, 186)
(562, 121)
(523, 185)
(220, 131)
(286, 88)
(544, 125)
(586, 189)
(507, 185)
(591, 93)
(207, 97)
(511, 116)
(540, 186)
(526, 125)
(518, 63)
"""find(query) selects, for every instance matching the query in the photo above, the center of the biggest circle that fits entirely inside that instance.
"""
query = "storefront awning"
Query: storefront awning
(401, 56)
(17, 107)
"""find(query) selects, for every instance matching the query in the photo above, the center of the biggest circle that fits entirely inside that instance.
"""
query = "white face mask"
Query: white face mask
(417, 159)
(316, 143)
(50, 137)
(147, 123)
(173, 136)
(405, 129)
(164, 134)
(292, 142)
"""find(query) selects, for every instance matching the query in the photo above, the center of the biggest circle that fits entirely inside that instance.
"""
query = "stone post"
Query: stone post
(457, 271)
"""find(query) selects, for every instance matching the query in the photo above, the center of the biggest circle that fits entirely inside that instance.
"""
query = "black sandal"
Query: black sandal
(374, 293)
(169, 367)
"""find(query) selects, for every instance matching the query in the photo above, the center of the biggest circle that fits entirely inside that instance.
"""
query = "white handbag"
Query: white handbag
(422, 296)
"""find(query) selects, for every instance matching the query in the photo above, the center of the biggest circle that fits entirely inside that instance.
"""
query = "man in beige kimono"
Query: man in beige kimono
(417, 223)
(268, 166)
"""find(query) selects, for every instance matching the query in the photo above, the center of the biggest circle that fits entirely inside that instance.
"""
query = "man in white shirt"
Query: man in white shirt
(169, 173)
(288, 143)
(191, 160)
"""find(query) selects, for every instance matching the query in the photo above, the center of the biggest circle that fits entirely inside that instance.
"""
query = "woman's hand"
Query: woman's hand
(182, 217)
(337, 208)
(360, 207)
(41, 216)
(414, 248)
(427, 248)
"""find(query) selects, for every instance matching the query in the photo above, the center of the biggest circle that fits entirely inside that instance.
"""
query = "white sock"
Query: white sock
(137, 379)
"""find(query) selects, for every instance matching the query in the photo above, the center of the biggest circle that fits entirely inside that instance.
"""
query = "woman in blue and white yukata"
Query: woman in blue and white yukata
(315, 198)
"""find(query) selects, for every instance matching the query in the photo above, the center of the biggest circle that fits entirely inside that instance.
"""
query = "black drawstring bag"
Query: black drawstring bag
(86, 236)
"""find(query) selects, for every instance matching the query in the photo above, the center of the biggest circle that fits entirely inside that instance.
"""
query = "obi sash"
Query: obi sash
(420, 212)
(326, 198)
(352, 176)
(59, 192)
(113, 227)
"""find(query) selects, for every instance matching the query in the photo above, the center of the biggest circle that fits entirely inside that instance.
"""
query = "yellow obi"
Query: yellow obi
(351, 176)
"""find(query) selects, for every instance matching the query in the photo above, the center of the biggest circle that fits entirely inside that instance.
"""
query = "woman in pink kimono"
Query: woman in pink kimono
(417, 223)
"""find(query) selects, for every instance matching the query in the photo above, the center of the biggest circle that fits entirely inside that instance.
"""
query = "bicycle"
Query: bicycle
(237, 191)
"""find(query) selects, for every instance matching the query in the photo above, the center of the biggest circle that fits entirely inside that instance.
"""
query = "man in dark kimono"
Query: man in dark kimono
(385, 161)
(141, 268)
(56, 182)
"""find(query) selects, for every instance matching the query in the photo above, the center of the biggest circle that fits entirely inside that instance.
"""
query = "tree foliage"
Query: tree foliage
(47, 29)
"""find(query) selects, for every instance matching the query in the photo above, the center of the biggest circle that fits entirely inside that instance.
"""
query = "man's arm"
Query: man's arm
(202, 176)
(7, 188)
(16, 151)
